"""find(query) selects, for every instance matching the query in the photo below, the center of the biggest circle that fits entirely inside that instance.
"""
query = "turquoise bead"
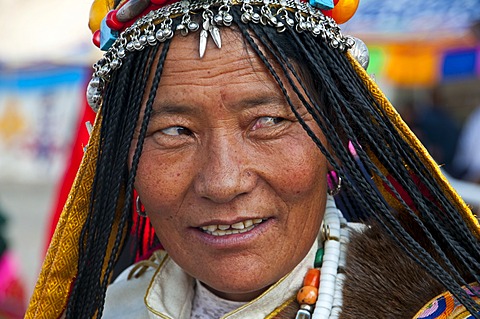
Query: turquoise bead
(318, 258)
(322, 4)
(107, 35)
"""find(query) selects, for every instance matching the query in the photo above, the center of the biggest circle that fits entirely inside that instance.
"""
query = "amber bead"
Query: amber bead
(344, 10)
(307, 295)
(312, 278)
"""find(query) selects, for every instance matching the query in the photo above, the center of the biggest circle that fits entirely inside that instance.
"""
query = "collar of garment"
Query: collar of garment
(171, 292)
(207, 305)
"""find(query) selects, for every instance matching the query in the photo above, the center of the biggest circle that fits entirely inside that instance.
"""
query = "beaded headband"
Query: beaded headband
(120, 33)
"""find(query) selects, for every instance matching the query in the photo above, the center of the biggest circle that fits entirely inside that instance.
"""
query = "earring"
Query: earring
(334, 183)
(140, 208)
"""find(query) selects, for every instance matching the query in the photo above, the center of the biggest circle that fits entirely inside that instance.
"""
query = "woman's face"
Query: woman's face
(234, 187)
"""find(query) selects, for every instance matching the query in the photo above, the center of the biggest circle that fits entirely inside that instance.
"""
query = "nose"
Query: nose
(226, 171)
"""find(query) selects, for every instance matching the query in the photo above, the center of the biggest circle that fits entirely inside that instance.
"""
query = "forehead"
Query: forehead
(234, 64)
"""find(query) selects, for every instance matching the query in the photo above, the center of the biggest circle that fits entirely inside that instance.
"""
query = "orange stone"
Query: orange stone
(312, 278)
(307, 295)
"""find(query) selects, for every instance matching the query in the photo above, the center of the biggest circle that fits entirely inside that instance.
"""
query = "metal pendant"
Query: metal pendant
(208, 26)
(215, 33)
(303, 314)
(203, 42)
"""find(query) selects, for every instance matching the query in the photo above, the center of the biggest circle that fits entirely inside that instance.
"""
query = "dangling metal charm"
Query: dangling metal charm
(215, 33)
(203, 38)
(209, 27)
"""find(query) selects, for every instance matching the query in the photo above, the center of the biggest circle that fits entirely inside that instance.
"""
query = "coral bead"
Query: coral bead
(307, 295)
(112, 21)
(312, 278)
(344, 10)
(96, 38)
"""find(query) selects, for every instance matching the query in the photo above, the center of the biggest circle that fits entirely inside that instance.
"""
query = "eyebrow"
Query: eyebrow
(262, 100)
(249, 103)
(165, 109)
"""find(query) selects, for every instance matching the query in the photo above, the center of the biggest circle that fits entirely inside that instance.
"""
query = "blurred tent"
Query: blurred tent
(419, 43)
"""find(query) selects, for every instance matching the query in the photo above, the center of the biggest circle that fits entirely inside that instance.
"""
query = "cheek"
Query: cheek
(160, 184)
(300, 170)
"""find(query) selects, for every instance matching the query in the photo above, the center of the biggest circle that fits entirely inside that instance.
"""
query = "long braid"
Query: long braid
(118, 127)
(136, 158)
(135, 102)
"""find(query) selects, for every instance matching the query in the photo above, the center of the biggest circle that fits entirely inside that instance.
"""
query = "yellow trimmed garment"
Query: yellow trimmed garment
(445, 306)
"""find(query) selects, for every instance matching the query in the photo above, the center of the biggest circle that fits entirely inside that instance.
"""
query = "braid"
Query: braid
(117, 131)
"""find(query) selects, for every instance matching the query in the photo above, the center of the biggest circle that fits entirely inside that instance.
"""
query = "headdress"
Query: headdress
(137, 24)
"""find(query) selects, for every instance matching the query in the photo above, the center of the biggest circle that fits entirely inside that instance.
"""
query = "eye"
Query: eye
(176, 131)
(267, 121)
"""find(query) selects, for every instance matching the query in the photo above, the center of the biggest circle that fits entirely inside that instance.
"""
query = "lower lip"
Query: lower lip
(233, 240)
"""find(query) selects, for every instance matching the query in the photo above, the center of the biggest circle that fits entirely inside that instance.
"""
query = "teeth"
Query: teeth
(240, 227)
(210, 228)
(231, 231)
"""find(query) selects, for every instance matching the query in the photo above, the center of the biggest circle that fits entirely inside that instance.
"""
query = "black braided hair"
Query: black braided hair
(113, 182)
(343, 108)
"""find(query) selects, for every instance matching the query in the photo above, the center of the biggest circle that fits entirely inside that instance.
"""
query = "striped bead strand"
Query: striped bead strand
(323, 306)
(338, 296)
(330, 257)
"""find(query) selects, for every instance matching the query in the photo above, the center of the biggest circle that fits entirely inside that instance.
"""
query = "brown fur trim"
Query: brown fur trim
(382, 281)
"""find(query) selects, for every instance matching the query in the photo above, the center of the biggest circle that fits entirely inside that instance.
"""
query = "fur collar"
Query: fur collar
(382, 281)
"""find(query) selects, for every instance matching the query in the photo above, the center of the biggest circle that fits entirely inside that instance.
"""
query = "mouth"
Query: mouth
(237, 228)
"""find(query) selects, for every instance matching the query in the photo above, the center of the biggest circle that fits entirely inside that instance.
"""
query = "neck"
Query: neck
(241, 297)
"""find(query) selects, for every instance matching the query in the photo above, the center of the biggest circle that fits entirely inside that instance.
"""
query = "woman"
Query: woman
(226, 118)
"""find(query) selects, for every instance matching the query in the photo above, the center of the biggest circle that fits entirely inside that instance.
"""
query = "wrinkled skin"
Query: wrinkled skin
(222, 147)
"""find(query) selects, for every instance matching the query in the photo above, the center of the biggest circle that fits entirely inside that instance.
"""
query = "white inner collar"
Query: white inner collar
(207, 305)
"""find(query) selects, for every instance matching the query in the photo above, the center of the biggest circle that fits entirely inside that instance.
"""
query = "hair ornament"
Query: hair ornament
(158, 26)
(360, 52)
(322, 4)
(343, 10)
(98, 11)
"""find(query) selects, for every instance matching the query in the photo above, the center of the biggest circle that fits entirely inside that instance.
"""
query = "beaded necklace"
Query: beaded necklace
(321, 294)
